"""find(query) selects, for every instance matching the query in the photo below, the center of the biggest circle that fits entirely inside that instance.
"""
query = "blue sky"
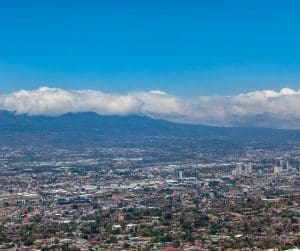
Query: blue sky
(187, 48)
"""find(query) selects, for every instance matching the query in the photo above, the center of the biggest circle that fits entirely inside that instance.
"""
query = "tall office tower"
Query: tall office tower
(287, 165)
(281, 163)
(180, 174)
(248, 168)
(239, 168)
(284, 164)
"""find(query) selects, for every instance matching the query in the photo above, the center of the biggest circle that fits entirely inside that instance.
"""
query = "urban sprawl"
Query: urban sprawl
(149, 198)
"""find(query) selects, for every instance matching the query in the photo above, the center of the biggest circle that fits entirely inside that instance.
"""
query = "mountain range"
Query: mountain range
(91, 129)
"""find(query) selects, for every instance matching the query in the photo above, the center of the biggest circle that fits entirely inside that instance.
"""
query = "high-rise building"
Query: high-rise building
(180, 174)
(284, 164)
(239, 168)
(248, 168)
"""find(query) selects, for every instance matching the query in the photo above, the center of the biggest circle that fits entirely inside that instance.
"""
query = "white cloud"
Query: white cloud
(52, 101)
(259, 108)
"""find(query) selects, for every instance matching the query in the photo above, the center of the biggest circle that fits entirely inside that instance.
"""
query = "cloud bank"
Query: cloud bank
(265, 108)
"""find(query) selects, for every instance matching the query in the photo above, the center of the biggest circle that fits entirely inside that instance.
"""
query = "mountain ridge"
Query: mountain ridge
(93, 129)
